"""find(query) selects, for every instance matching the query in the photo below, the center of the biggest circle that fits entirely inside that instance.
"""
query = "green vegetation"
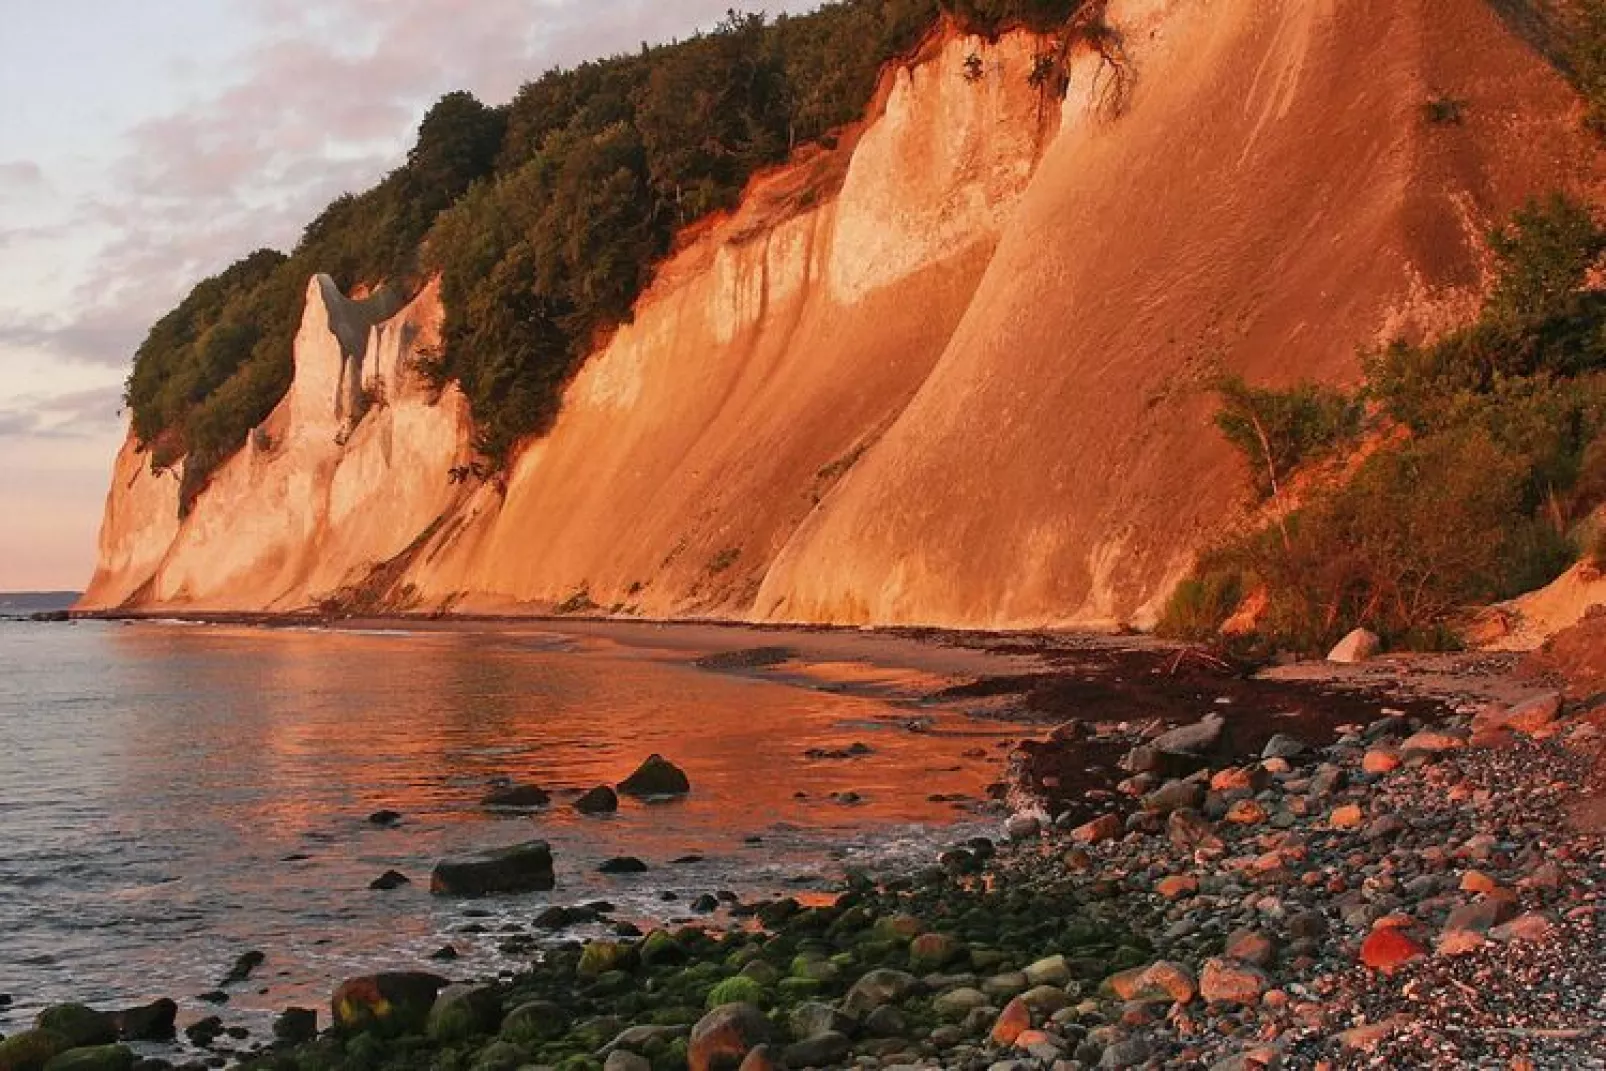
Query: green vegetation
(1490, 452)
(545, 217)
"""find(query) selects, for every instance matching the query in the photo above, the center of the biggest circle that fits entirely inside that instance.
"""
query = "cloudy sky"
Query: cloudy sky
(144, 146)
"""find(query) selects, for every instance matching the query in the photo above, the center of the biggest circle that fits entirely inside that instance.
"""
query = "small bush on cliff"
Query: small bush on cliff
(1279, 430)
(1476, 494)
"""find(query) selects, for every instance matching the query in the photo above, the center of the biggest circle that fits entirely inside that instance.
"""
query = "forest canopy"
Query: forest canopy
(544, 217)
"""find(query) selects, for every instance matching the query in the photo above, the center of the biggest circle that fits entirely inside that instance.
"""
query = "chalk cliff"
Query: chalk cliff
(950, 372)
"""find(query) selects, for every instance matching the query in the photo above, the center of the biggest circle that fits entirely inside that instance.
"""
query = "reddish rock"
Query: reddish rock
(1105, 827)
(1013, 1021)
(1381, 760)
(724, 1037)
(1389, 948)
(1177, 886)
(1349, 816)
(1247, 813)
(1227, 981)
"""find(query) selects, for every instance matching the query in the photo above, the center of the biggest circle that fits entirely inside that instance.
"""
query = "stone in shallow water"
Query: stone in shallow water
(79, 1024)
(296, 1025)
(149, 1022)
(600, 800)
(656, 777)
(520, 868)
(393, 1001)
(516, 797)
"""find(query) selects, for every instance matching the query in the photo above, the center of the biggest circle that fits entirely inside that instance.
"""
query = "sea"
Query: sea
(174, 794)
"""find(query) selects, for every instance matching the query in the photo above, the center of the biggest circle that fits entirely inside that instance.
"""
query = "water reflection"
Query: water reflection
(172, 796)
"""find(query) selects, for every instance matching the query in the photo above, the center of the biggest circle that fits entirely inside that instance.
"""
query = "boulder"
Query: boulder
(461, 1012)
(390, 879)
(723, 1038)
(94, 1058)
(625, 1060)
(600, 800)
(521, 868)
(933, 951)
(1174, 796)
(296, 1026)
(958, 1003)
(148, 1022)
(516, 797)
(622, 864)
(394, 1002)
(656, 777)
(31, 1050)
(1052, 970)
(1201, 736)
(813, 1018)
(877, 988)
(1283, 746)
(79, 1024)
(600, 957)
(822, 1050)
(1358, 646)
(763, 1058)
(535, 1021)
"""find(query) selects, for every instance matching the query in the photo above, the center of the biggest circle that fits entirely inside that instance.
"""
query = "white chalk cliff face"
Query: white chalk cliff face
(954, 372)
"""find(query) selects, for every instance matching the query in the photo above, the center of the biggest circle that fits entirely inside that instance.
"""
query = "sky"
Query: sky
(146, 146)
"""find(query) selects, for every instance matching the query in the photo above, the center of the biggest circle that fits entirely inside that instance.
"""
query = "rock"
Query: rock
(600, 957)
(724, 1036)
(1381, 760)
(1177, 886)
(1188, 830)
(461, 1012)
(205, 1031)
(958, 1003)
(886, 1022)
(1533, 927)
(148, 1022)
(1250, 946)
(739, 990)
(31, 1050)
(933, 951)
(1328, 780)
(644, 1038)
(94, 1058)
(243, 966)
(876, 988)
(516, 797)
(1349, 816)
(79, 1024)
(1045, 1000)
(534, 1022)
(1358, 646)
(521, 868)
(1174, 796)
(1249, 779)
(1050, 971)
(1388, 948)
(1023, 826)
(813, 1017)
(501, 1056)
(763, 1058)
(390, 879)
(624, 1060)
(656, 777)
(1161, 980)
(822, 1050)
(1283, 746)
(1530, 716)
(296, 1026)
(600, 800)
(1433, 740)
(1369, 1036)
(1201, 736)
(1015, 1019)
(1128, 1052)
(1228, 981)
(1105, 827)
(395, 1002)
(385, 818)
(1247, 812)
(623, 864)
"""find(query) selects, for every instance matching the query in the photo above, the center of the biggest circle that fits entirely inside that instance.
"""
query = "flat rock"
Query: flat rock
(520, 868)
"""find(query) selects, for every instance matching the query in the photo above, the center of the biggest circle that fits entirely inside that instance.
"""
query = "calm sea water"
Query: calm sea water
(171, 796)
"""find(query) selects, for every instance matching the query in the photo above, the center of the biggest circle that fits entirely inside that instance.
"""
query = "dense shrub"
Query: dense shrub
(1478, 502)
(1279, 430)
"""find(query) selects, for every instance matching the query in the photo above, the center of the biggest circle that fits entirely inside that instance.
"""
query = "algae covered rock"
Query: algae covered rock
(80, 1025)
(94, 1058)
(464, 1011)
(31, 1050)
(738, 990)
